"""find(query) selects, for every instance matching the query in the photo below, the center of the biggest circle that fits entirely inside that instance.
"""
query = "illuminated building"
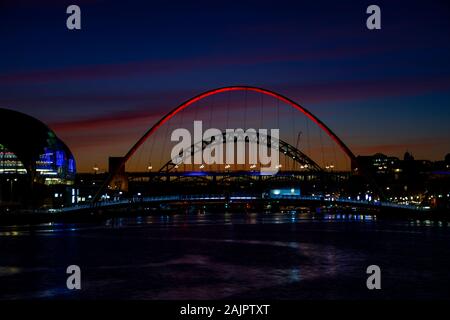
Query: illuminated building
(33, 159)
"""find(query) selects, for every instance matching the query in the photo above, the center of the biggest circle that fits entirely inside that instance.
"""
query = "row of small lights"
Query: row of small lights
(150, 167)
(331, 166)
(251, 167)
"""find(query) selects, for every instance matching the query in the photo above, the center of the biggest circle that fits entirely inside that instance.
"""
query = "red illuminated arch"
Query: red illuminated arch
(206, 94)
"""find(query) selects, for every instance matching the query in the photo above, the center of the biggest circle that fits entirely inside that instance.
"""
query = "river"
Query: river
(228, 256)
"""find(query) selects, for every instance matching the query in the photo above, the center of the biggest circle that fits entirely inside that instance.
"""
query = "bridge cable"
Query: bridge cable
(245, 122)
(150, 155)
(335, 156)
(278, 121)
(262, 112)
(228, 112)
(211, 108)
(293, 134)
(322, 149)
(139, 158)
(198, 107)
(164, 140)
(180, 125)
(308, 141)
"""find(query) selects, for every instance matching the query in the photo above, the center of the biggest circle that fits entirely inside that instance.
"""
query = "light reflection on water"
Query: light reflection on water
(204, 219)
(228, 218)
(213, 256)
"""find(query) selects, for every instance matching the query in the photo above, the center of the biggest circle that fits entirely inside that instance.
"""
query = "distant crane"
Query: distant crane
(297, 145)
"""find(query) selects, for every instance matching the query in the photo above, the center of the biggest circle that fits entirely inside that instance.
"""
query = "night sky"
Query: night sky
(101, 87)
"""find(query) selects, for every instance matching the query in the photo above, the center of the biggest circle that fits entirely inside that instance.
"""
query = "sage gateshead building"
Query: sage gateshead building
(36, 168)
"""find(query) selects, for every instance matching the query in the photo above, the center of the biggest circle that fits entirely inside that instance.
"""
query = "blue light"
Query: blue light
(71, 165)
(59, 159)
(46, 158)
(196, 173)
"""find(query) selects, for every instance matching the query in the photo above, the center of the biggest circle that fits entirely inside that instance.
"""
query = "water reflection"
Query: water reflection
(215, 256)
(230, 218)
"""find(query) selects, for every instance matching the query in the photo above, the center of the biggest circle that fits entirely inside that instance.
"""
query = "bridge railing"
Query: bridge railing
(204, 197)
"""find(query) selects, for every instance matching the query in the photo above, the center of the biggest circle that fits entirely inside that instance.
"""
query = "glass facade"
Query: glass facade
(55, 165)
(36, 168)
(9, 163)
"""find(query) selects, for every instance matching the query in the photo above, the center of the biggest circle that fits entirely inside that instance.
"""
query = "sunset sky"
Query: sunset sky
(101, 87)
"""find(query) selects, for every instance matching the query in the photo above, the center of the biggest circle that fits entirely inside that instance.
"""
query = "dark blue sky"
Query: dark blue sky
(385, 90)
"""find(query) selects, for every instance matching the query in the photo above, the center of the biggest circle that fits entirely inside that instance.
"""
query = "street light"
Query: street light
(11, 186)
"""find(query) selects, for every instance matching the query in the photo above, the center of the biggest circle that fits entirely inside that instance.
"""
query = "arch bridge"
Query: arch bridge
(304, 161)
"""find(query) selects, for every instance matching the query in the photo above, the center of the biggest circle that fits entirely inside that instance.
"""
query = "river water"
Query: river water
(228, 256)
